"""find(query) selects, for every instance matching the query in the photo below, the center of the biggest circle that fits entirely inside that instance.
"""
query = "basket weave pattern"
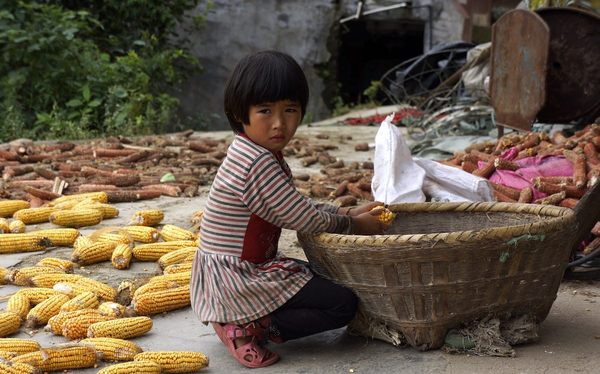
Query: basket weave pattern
(447, 263)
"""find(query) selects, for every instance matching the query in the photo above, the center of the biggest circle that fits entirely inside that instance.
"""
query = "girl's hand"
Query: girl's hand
(368, 223)
(358, 210)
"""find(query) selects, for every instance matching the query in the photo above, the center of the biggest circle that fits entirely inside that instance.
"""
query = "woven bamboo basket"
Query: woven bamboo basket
(441, 264)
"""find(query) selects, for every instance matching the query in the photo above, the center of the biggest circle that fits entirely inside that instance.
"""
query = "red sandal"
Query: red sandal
(251, 354)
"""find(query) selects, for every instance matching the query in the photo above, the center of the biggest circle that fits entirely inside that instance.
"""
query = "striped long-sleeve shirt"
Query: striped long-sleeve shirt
(237, 274)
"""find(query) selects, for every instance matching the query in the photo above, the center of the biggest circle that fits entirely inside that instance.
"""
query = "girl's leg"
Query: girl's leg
(320, 305)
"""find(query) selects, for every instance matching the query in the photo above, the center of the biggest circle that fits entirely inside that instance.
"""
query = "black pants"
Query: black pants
(320, 305)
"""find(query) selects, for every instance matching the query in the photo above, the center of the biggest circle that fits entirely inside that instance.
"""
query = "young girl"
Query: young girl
(240, 283)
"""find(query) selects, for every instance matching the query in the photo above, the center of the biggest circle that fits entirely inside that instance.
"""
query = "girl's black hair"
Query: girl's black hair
(263, 77)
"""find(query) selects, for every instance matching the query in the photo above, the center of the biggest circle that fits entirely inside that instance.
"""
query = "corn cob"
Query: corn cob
(26, 242)
(175, 361)
(9, 323)
(147, 217)
(154, 251)
(176, 257)
(41, 313)
(19, 346)
(16, 226)
(162, 301)
(155, 286)
(121, 256)
(59, 359)
(64, 237)
(55, 324)
(49, 280)
(23, 276)
(171, 233)
(77, 327)
(34, 215)
(58, 263)
(122, 328)
(36, 295)
(101, 197)
(118, 238)
(178, 268)
(9, 207)
(125, 292)
(112, 309)
(76, 218)
(102, 290)
(181, 278)
(70, 289)
(138, 367)
(3, 274)
(108, 211)
(9, 367)
(82, 241)
(4, 226)
(19, 305)
(113, 349)
(142, 234)
(6, 356)
(85, 300)
(93, 254)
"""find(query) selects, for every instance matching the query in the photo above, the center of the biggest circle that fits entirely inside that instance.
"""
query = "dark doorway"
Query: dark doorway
(369, 48)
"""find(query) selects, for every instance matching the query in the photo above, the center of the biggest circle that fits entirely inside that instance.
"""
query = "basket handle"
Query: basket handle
(587, 212)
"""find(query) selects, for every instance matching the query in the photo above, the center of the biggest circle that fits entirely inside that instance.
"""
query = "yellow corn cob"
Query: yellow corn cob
(9, 207)
(19, 346)
(4, 355)
(171, 233)
(92, 254)
(138, 367)
(4, 226)
(49, 280)
(82, 241)
(122, 328)
(101, 197)
(36, 295)
(55, 324)
(59, 359)
(121, 256)
(154, 251)
(386, 216)
(107, 210)
(181, 278)
(23, 276)
(58, 263)
(70, 288)
(41, 313)
(85, 300)
(142, 234)
(114, 349)
(178, 268)
(34, 215)
(150, 217)
(176, 257)
(118, 238)
(17, 226)
(19, 305)
(112, 309)
(76, 218)
(77, 327)
(8, 367)
(125, 292)
(26, 242)
(176, 361)
(155, 286)
(64, 237)
(9, 323)
(3, 274)
(102, 290)
(162, 301)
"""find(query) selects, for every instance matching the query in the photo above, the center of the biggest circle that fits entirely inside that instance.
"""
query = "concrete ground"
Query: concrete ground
(569, 338)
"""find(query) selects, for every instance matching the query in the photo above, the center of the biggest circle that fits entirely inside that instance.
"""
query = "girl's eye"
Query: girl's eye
(291, 110)
(264, 111)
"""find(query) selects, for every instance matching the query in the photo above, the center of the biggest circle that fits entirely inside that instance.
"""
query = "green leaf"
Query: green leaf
(94, 103)
(120, 92)
(87, 95)
(74, 103)
(169, 177)
(140, 43)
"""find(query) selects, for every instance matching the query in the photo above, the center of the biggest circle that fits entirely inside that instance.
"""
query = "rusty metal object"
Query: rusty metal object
(573, 79)
(520, 44)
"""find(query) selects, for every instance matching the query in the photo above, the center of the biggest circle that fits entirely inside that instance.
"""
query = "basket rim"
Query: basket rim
(562, 217)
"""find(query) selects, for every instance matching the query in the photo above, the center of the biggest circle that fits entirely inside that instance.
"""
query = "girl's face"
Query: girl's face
(272, 125)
